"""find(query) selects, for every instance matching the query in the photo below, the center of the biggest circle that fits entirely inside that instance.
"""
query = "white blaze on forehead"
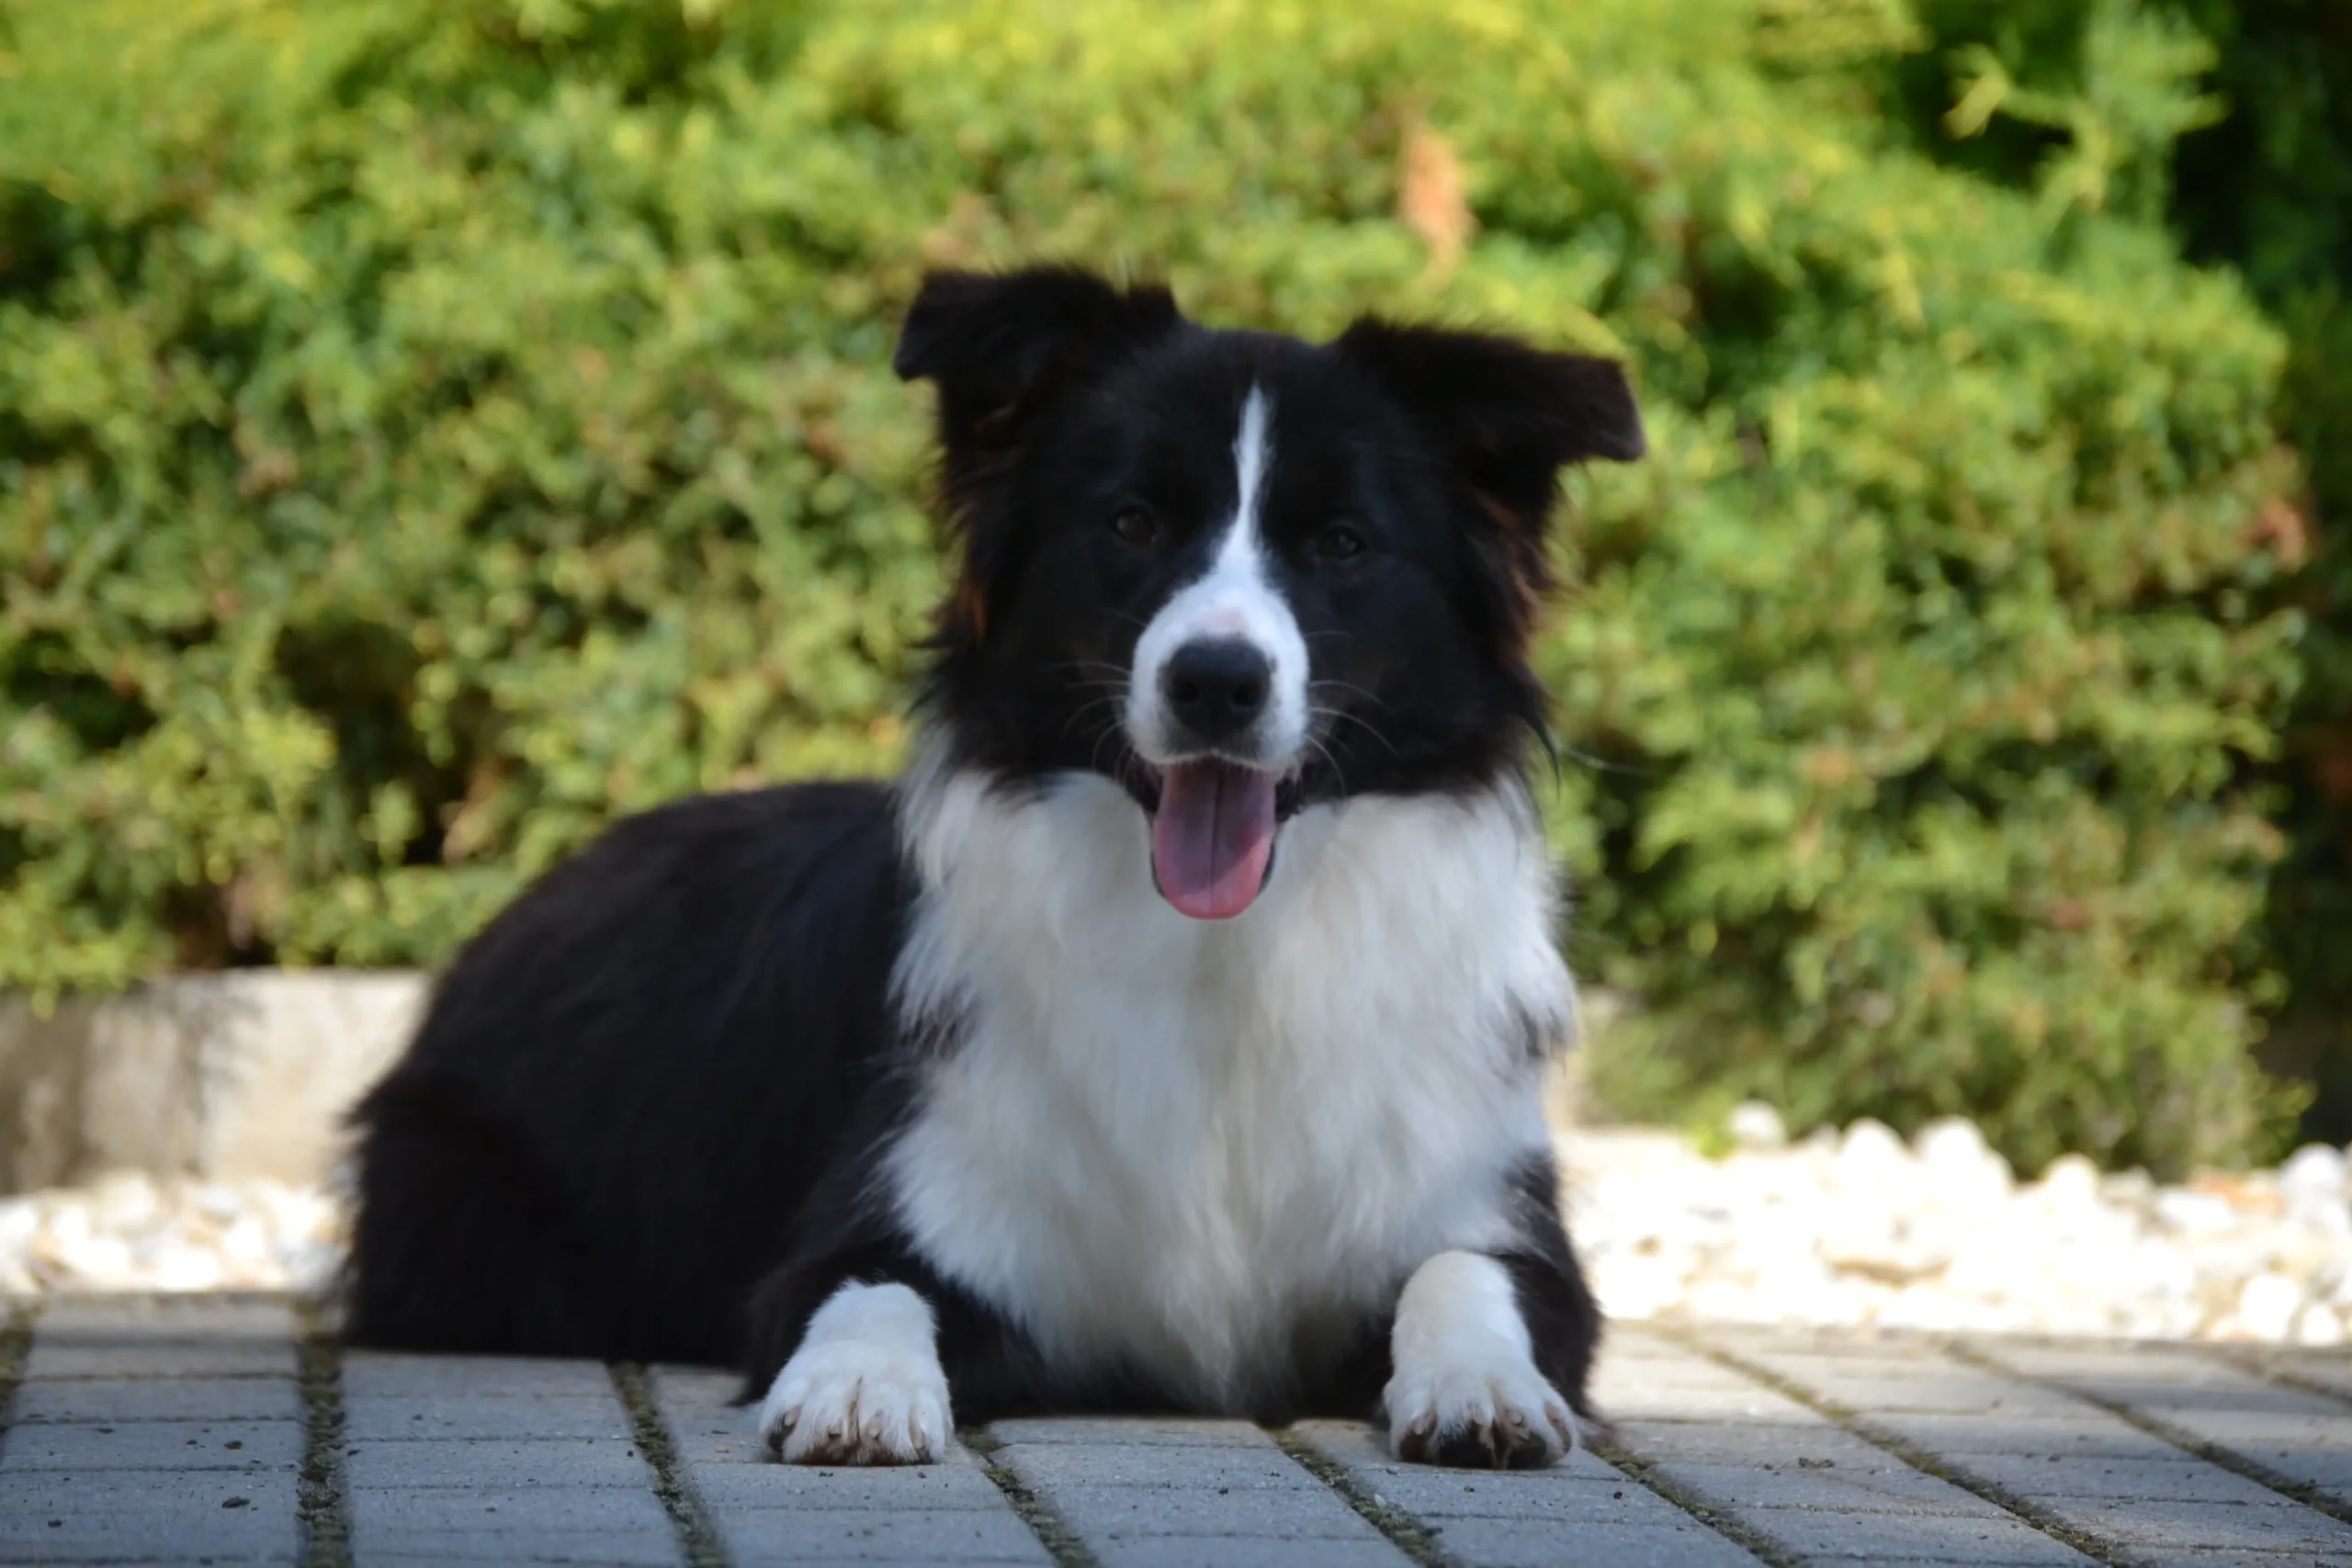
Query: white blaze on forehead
(1251, 456)
(1236, 598)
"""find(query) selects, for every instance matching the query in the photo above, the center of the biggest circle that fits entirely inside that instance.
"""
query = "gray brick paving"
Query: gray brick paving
(2327, 1369)
(2202, 1525)
(521, 1463)
(2091, 1435)
(176, 1432)
(1581, 1510)
(138, 1516)
(1813, 1490)
(768, 1513)
(2158, 1557)
(438, 1540)
(1246, 1551)
(2067, 1459)
(120, 1444)
(2297, 1435)
(467, 1456)
(390, 1418)
(107, 1402)
(1976, 1540)
(163, 1337)
(1131, 1499)
(181, 1446)
(2058, 1481)
(1127, 1432)
(379, 1374)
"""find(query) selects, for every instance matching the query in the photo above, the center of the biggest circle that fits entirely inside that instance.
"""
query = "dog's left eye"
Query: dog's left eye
(1135, 525)
(1338, 543)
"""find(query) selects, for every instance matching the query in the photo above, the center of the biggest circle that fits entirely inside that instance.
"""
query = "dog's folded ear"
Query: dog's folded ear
(1504, 416)
(1502, 419)
(1000, 347)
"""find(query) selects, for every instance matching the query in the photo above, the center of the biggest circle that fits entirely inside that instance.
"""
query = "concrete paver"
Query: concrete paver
(2301, 1436)
(1528, 1517)
(390, 1418)
(438, 1542)
(163, 1337)
(762, 1512)
(80, 1448)
(2187, 1525)
(2061, 1480)
(1816, 1491)
(108, 1402)
(1127, 1432)
(1128, 1498)
(414, 1425)
(383, 1374)
(2071, 1462)
(2089, 1435)
(142, 1515)
(1244, 1552)
(1977, 1539)
(121, 1432)
(2330, 1371)
(181, 1432)
(521, 1463)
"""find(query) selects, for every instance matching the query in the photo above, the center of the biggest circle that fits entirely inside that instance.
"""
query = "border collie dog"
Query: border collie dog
(1169, 1036)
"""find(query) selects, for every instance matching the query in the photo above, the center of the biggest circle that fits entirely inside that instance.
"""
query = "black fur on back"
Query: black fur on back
(595, 1145)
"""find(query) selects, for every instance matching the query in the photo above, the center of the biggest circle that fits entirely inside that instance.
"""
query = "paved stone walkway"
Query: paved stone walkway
(223, 1431)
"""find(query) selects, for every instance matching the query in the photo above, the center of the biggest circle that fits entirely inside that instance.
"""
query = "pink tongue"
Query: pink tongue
(1212, 836)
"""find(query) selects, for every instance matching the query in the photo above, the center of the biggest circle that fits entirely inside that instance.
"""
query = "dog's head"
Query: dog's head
(1239, 574)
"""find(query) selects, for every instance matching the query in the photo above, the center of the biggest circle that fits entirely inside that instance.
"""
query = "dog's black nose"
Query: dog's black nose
(1217, 688)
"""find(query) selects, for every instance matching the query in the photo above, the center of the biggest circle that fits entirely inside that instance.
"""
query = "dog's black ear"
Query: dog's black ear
(999, 347)
(1505, 417)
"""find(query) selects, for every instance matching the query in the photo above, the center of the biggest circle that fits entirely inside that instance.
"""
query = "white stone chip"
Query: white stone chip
(1852, 1229)
(1858, 1229)
(1756, 1125)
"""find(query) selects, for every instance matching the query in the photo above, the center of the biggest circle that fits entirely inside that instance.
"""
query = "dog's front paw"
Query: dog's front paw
(1496, 1415)
(1467, 1390)
(865, 1387)
(851, 1404)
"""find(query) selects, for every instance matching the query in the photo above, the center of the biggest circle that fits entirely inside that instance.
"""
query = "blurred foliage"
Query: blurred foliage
(427, 431)
(2269, 190)
(2231, 120)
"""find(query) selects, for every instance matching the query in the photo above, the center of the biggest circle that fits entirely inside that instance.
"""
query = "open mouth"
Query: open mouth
(1213, 827)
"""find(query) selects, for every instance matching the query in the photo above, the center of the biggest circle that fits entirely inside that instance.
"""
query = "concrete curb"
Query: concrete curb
(246, 1075)
(229, 1076)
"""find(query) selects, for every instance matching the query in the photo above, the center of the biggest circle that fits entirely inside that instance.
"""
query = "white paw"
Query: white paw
(1498, 1415)
(865, 1386)
(1465, 1388)
(851, 1404)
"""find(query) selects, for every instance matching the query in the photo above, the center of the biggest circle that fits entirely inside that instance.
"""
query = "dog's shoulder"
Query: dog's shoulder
(702, 928)
(707, 868)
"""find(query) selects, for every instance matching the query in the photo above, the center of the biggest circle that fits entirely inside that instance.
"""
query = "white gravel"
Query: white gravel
(1859, 1229)
(128, 1232)
(1845, 1229)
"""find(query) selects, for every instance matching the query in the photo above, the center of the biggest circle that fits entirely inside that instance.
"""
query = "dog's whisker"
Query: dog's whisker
(1369, 727)
(1338, 685)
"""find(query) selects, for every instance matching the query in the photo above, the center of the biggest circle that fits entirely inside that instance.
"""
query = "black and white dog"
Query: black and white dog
(1170, 1036)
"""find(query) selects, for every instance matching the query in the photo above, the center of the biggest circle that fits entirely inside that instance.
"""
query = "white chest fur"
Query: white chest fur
(1174, 1145)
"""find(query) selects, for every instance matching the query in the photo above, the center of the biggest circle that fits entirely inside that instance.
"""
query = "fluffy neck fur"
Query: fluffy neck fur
(1165, 1145)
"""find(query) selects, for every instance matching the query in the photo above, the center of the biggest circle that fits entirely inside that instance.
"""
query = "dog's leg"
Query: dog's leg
(1465, 1387)
(865, 1386)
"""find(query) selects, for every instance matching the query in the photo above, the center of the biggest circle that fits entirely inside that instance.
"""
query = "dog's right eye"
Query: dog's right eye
(1135, 525)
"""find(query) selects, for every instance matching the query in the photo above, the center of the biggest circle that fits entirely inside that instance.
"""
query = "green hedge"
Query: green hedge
(2232, 120)
(2269, 189)
(427, 431)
